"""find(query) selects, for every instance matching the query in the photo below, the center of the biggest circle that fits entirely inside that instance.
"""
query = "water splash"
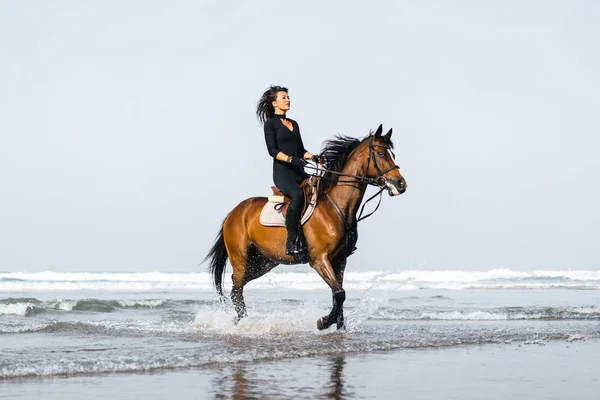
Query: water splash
(264, 318)
(371, 302)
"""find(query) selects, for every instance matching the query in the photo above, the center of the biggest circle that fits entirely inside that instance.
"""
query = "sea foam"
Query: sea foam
(398, 280)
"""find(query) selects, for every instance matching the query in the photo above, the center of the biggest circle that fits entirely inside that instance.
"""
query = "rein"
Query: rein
(365, 203)
(364, 179)
(380, 182)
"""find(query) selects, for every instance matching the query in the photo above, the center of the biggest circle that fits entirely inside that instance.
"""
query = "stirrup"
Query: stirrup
(296, 249)
(293, 251)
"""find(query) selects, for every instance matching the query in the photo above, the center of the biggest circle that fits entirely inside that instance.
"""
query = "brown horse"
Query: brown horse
(331, 232)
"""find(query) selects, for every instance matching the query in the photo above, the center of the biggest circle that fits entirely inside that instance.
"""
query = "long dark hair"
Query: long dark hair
(264, 107)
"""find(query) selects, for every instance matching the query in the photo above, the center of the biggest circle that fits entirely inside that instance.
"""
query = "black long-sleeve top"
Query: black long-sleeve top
(280, 139)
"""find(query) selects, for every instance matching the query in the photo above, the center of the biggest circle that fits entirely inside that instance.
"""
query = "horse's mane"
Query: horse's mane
(336, 152)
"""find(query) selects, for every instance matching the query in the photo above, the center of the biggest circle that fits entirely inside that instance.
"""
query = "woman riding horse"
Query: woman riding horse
(284, 143)
(254, 249)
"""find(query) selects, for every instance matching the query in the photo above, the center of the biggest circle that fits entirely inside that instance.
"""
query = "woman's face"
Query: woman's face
(282, 101)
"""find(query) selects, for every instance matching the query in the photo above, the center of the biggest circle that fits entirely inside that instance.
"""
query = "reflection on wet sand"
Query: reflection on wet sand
(275, 381)
(336, 380)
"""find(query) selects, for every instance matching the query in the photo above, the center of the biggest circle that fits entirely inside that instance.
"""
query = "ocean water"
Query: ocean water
(77, 327)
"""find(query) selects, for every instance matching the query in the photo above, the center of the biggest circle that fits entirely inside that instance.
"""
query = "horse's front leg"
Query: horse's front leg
(338, 269)
(325, 270)
(337, 312)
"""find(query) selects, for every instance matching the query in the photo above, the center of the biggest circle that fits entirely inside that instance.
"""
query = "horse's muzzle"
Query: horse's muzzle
(396, 187)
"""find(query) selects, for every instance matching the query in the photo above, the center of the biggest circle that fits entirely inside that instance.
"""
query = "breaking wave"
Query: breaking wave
(30, 306)
(404, 280)
(500, 314)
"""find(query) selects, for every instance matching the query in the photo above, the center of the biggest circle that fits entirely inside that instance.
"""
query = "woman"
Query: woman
(284, 143)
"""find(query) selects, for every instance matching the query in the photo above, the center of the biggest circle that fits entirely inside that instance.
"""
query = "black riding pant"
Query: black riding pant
(288, 181)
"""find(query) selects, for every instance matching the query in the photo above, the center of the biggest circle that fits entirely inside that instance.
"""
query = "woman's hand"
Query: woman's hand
(318, 159)
(297, 162)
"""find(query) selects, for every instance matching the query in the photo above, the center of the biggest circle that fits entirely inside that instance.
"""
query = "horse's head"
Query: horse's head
(370, 161)
(380, 164)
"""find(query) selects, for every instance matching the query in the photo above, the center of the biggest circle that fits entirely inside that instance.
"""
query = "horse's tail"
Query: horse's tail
(218, 259)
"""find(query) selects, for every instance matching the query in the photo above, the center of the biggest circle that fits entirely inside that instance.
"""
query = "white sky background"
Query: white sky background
(127, 128)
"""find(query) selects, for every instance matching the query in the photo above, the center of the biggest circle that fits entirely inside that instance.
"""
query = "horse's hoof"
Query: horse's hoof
(322, 323)
(341, 327)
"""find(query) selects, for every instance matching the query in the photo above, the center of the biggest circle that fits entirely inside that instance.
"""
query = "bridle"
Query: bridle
(380, 182)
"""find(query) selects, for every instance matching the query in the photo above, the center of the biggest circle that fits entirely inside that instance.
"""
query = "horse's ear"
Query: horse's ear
(379, 130)
(388, 135)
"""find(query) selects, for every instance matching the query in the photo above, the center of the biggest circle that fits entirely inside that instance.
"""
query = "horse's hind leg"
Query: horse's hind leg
(237, 248)
(253, 265)
(237, 291)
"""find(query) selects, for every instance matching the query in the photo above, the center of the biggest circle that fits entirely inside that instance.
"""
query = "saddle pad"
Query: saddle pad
(269, 216)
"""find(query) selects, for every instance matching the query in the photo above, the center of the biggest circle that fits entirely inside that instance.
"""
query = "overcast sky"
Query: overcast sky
(127, 128)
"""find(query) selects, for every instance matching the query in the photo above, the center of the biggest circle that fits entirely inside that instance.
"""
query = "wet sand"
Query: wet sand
(542, 370)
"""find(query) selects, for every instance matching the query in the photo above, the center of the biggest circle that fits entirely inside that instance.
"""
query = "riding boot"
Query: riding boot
(293, 245)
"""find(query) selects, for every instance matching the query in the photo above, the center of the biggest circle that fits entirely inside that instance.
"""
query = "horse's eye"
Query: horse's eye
(380, 154)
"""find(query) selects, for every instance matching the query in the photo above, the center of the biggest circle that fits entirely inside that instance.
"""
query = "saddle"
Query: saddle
(275, 211)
